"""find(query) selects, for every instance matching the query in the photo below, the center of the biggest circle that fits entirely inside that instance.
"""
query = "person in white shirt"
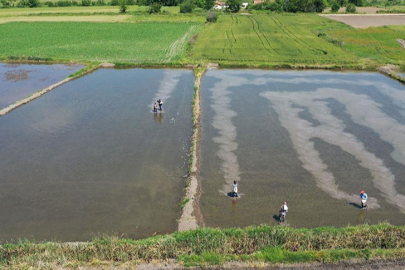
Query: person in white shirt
(235, 189)
(283, 212)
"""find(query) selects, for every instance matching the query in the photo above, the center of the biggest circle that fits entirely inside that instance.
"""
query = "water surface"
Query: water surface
(313, 139)
(18, 81)
(90, 157)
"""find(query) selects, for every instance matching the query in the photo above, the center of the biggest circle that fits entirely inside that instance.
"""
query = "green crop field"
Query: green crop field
(275, 38)
(113, 42)
(376, 43)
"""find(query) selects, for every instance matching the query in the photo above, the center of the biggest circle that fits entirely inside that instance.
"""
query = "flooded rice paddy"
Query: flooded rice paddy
(91, 157)
(313, 139)
(18, 81)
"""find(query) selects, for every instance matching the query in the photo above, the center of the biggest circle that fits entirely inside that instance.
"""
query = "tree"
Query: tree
(212, 16)
(335, 7)
(209, 4)
(123, 6)
(350, 8)
(187, 6)
(233, 5)
(320, 5)
(155, 8)
(33, 3)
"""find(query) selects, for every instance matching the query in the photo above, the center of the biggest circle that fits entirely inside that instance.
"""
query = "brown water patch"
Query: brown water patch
(17, 75)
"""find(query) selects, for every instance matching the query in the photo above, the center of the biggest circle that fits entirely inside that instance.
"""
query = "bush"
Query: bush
(155, 8)
(187, 6)
(350, 8)
(123, 6)
(100, 3)
(49, 4)
(33, 3)
(209, 4)
(211, 16)
(335, 7)
(86, 3)
(114, 3)
(233, 5)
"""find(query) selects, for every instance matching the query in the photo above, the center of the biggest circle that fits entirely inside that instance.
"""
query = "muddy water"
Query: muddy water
(313, 139)
(19, 81)
(91, 157)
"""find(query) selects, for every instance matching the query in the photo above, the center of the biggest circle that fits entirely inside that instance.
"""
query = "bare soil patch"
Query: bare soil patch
(368, 20)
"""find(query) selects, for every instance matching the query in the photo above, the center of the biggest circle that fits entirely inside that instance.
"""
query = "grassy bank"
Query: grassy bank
(214, 246)
(375, 44)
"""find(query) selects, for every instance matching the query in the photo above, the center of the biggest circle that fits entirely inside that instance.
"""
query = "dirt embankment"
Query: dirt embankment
(191, 217)
(368, 20)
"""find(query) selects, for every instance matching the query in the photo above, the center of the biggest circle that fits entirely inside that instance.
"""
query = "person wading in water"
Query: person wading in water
(160, 103)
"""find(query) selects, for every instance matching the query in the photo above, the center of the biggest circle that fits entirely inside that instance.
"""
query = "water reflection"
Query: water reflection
(89, 158)
(283, 134)
(158, 117)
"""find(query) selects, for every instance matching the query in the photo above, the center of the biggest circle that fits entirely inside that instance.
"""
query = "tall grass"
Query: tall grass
(214, 246)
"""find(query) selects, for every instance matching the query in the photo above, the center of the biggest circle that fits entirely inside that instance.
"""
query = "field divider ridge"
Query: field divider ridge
(191, 217)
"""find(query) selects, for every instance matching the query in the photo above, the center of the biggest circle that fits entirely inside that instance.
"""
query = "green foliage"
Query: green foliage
(233, 5)
(211, 16)
(358, 3)
(350, 8)
(123, 6)
(207, 246)
(187, 6)
(335, 7)
(155, 8)
(184, 202)
(86, 3)
(209, 4)
(114, 2)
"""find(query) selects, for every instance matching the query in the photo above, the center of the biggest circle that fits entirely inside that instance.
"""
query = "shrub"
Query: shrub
(114, 3)
(100, 3)
(350, 8)
(155, 8)
(33, 3)
(49, 4)
(123, 6)
(209, 4)
(320, 5)
(211, 16)
(86, 3)
(233, 5)
(335, 7)
(187, 6)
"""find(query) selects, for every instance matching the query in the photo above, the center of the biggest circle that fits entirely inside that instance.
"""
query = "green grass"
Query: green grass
(209, 246)
(374, 43)
(275, 39)
(112, 42)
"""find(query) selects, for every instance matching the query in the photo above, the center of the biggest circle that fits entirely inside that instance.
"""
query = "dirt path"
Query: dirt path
(191, 216)
(367, 20)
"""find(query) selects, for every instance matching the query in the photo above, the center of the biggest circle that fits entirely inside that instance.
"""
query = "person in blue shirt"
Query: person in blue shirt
(363, 198)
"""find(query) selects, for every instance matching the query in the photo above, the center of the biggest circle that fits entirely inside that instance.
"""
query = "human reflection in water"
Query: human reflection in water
(158, 117)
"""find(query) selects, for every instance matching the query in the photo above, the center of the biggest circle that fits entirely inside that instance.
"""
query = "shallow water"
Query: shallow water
(313, 139)
(90, 157)
(18, 81)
